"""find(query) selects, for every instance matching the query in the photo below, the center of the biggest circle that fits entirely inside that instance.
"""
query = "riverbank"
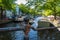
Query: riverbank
(56, 23)
(5, 21)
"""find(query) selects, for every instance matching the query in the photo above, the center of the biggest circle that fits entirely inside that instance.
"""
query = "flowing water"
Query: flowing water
(33, 35)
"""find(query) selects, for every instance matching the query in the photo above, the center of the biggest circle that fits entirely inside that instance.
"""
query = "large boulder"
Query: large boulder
(43, 24)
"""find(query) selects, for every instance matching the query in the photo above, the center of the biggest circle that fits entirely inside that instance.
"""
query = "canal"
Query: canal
(33, 35)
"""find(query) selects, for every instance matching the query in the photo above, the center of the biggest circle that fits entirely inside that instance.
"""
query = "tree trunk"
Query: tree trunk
(55, 16)
(1, 14)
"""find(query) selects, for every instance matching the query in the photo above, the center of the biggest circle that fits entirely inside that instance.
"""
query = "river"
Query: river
(19, 35)
(33, 35)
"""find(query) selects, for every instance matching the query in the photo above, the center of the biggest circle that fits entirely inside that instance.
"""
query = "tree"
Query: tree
(52, 5)
(23, 8)
(6, 5)
(47, 12)
(36, 4)
(27, 10)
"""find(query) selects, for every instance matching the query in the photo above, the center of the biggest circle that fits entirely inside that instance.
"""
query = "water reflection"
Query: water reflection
(17, 35)
(33, 35)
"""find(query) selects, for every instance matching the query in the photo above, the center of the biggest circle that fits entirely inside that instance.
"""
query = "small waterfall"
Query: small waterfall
(17, 10)
(8, 14)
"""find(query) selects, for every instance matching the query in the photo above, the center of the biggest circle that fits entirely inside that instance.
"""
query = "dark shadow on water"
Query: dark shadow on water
(51, 34)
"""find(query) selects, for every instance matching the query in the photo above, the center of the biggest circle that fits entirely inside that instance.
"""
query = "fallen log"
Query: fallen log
(47, 28)
(8, 29)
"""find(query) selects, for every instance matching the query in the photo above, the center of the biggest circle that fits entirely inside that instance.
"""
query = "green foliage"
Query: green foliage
(47, 12)
(27, 10)
(45, 5)
(49, 7)
(32, 12)
(7, 4)
(54, 6)
(35, 3)
(23, 8)
(37, 6)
